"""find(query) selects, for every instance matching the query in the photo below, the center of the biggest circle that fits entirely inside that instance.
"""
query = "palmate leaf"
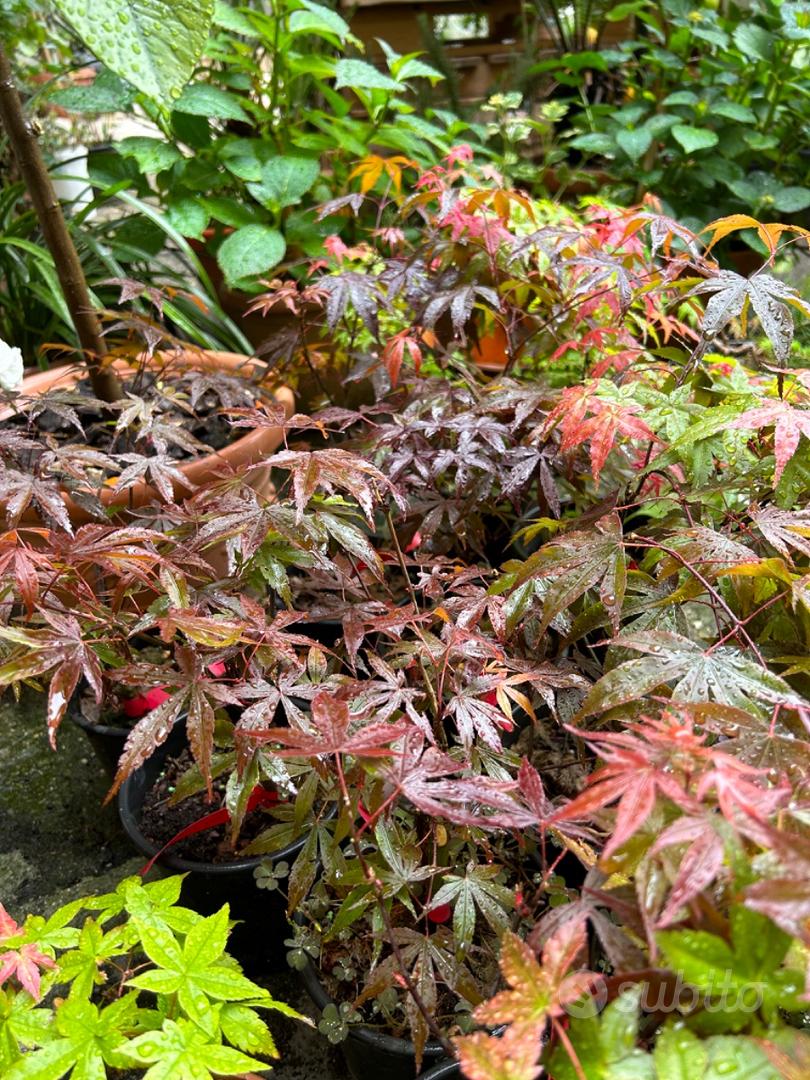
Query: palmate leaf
(579, 561)
(428, 959)
(88, 1037)
(785, 897)
(194, 692)
(511, 1057)
(789, 424)
(332, 730)
(608, 420)
(333, 470)
(537, 991)
(731, 296)
(477, 889)
(20, 490)
(429, 779)
(767, 741)
(183, 1051)
(722, 674)
(709, 551)
(769, 233)
(59, 648)
(195, 970)
(699, 866)
(784, 529)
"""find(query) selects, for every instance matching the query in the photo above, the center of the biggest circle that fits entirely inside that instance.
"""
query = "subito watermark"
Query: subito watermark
(671, 993)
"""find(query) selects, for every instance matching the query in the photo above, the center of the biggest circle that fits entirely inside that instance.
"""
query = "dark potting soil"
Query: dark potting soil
(160, 820)
(203, 421)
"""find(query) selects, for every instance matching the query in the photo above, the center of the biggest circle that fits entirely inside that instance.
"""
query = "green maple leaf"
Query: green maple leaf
(154, 903)
(574, 563)
(22, 1023)
(605, 1045)
(86, 1040)
(475, 890)
(195, 970)
(721, 674)
(181, 1051)
(81, 965)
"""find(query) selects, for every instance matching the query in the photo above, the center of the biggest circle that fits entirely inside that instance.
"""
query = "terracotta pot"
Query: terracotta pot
(491, 353)
(245, 450)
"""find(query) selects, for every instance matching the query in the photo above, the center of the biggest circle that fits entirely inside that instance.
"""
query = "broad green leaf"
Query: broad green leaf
(360, 75)
(153, 44)
(202, 99)
(152, 155)
(693, 138)
(731, 1056)
(106, 93)
(748, 968)
(635, 143)
(187, 215)
(679, 1054)
(754, 41)
(315, 18)
(605, 1045)
(251, 250)
(233, 19)
(413, 68)
(790, 200)
(229, 211)
(285, 180)
(596, 142)
(681, 97)
(732, 110)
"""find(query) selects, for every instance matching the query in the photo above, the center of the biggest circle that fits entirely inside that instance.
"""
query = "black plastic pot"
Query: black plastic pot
(258, 939)
(445, 1070)
(325, 631)
(107, 742)
(372, 1055)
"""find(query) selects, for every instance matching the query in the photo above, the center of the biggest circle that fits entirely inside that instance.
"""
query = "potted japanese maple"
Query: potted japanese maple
(101, 374)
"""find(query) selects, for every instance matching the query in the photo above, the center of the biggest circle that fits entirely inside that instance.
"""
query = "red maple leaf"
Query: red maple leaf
(789, 425)
(538, 992)
(607, 420)
(394, 353)
(333, 730)
(23, 962)
(429, 779)
(667, 758)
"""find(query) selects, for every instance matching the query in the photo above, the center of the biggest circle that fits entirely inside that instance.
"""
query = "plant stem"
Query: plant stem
(23, 140)
(379, 896)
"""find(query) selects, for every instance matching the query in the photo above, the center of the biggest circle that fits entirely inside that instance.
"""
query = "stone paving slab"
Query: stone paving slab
(58, 842)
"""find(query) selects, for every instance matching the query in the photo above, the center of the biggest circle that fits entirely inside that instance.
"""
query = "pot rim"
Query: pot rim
(250, 446)
(130, 803)
(390, 1044)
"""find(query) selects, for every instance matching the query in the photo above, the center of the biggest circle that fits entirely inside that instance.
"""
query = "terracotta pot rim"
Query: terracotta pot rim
(247, 448)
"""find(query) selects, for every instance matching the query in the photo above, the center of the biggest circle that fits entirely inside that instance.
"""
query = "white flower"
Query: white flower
(11, 367)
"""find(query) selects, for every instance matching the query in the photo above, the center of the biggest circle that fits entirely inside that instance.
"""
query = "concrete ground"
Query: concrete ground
(57, 842)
